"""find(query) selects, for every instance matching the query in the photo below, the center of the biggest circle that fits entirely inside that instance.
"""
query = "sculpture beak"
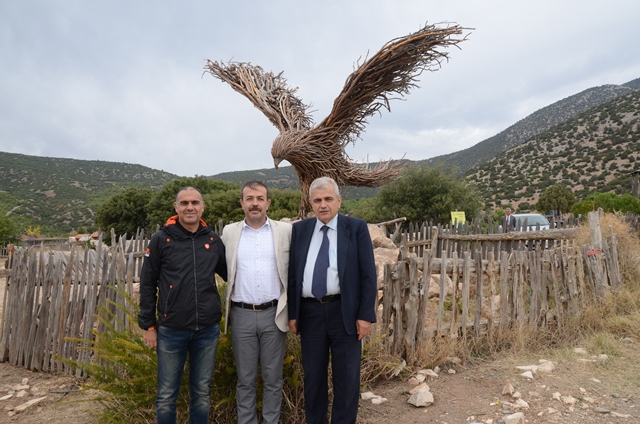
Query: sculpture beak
(276, 162)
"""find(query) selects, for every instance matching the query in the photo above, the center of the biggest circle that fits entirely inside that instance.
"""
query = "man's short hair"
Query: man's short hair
(189, 188)
(253, 185)
(324, 183)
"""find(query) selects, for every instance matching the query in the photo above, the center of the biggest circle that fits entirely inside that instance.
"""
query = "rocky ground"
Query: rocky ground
(582, 387)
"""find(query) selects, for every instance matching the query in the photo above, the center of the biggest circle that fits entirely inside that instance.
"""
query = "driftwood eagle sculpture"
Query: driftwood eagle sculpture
(316, 151)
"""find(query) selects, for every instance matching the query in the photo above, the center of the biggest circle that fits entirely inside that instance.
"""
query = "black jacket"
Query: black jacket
(177, 278)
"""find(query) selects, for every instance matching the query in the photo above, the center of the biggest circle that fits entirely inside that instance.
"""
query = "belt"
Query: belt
(260, 307)
(326, 299)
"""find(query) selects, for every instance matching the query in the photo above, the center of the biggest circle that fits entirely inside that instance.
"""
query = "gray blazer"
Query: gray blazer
(281, 239)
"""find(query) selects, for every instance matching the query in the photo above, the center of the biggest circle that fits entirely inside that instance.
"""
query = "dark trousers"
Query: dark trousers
(323, 336)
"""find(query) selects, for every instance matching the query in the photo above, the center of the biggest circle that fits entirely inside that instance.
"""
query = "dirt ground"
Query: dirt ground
(583, 388)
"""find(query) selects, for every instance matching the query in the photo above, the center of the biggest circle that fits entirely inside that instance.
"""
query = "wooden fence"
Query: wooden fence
(52, 298)
(486, 280)
(487, 285)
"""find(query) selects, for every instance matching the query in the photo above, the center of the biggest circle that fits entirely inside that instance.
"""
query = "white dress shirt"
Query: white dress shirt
(333, 284)
(257, 279)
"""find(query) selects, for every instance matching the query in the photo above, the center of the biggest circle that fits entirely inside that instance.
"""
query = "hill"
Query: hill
(594, 152)
(63, 194)
(533, 125)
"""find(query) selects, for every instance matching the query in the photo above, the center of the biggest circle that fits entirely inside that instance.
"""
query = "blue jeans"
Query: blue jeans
(173, 346)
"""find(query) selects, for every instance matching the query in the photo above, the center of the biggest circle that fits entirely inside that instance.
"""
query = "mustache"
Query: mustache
(255, 208)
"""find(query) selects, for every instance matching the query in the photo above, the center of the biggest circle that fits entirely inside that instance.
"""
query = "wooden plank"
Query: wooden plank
(479, 288)
(506, 294)
(466, 286)
(443, 292)
(34, 305)
(397, 307)
(424, 300)
(411, 307)
(387, 293)
(571, 282)
(519, 285)
(491, 283)
(454, 294)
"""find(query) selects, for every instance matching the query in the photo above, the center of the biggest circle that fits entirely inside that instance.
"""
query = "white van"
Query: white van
(532, 220)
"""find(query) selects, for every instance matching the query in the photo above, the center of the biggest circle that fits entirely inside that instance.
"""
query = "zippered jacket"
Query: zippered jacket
(177, 281)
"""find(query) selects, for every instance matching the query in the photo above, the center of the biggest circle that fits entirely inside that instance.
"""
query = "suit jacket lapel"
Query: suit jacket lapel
(305, 237)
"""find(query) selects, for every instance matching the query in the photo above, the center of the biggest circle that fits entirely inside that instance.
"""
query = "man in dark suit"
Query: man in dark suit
(332, 294)
(508, 221)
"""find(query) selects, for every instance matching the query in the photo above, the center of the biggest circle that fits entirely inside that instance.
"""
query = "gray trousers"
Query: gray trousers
(257, 340)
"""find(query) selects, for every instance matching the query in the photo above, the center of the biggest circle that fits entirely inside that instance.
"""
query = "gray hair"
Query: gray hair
(324, 183)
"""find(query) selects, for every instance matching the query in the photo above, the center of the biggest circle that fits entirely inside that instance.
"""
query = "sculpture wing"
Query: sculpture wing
(393, 70)
(268, 92)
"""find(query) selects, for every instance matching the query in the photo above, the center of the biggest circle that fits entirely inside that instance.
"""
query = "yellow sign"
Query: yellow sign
(458, 217)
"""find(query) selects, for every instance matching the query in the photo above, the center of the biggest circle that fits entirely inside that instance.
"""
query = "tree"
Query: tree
(556, 198)
(609, 202)
(124, 212)
(9, 231)
(425, 193)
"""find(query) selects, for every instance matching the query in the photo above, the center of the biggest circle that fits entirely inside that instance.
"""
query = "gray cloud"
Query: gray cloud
(123, 81)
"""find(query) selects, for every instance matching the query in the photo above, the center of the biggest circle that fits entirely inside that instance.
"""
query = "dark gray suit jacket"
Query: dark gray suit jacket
(356, 270)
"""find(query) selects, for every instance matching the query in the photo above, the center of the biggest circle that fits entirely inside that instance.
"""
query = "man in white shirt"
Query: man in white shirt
(257, 253)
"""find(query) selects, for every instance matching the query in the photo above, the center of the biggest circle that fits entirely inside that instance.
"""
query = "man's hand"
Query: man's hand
(150, 337)
(363, 328)
(293, 327)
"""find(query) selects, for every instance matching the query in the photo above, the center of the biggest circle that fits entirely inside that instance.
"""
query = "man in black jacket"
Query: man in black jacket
(177, 284)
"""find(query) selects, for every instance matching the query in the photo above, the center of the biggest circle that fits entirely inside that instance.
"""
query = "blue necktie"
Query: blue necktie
(319, 282)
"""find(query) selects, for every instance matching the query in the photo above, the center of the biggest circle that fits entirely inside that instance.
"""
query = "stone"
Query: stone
(367, 395)
(619, 415)
(532, 368)
(379, 239)
(21, 393)
(419, 388)
(378, 400)
(382, 257)
(580, 351)
(434, 286)
(517, 418)
(421, 398)
(546, 366)
(26, 405)
(527, 374)
(451, 371)
(25, 381)
(516, 395)
(413, 381)
(5, 397)
(507, 389)
(601, 410)
(569, 400)
(429, 373)
(521, 403)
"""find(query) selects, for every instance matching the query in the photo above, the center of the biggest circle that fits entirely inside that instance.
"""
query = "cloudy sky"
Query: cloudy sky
(123, 80)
